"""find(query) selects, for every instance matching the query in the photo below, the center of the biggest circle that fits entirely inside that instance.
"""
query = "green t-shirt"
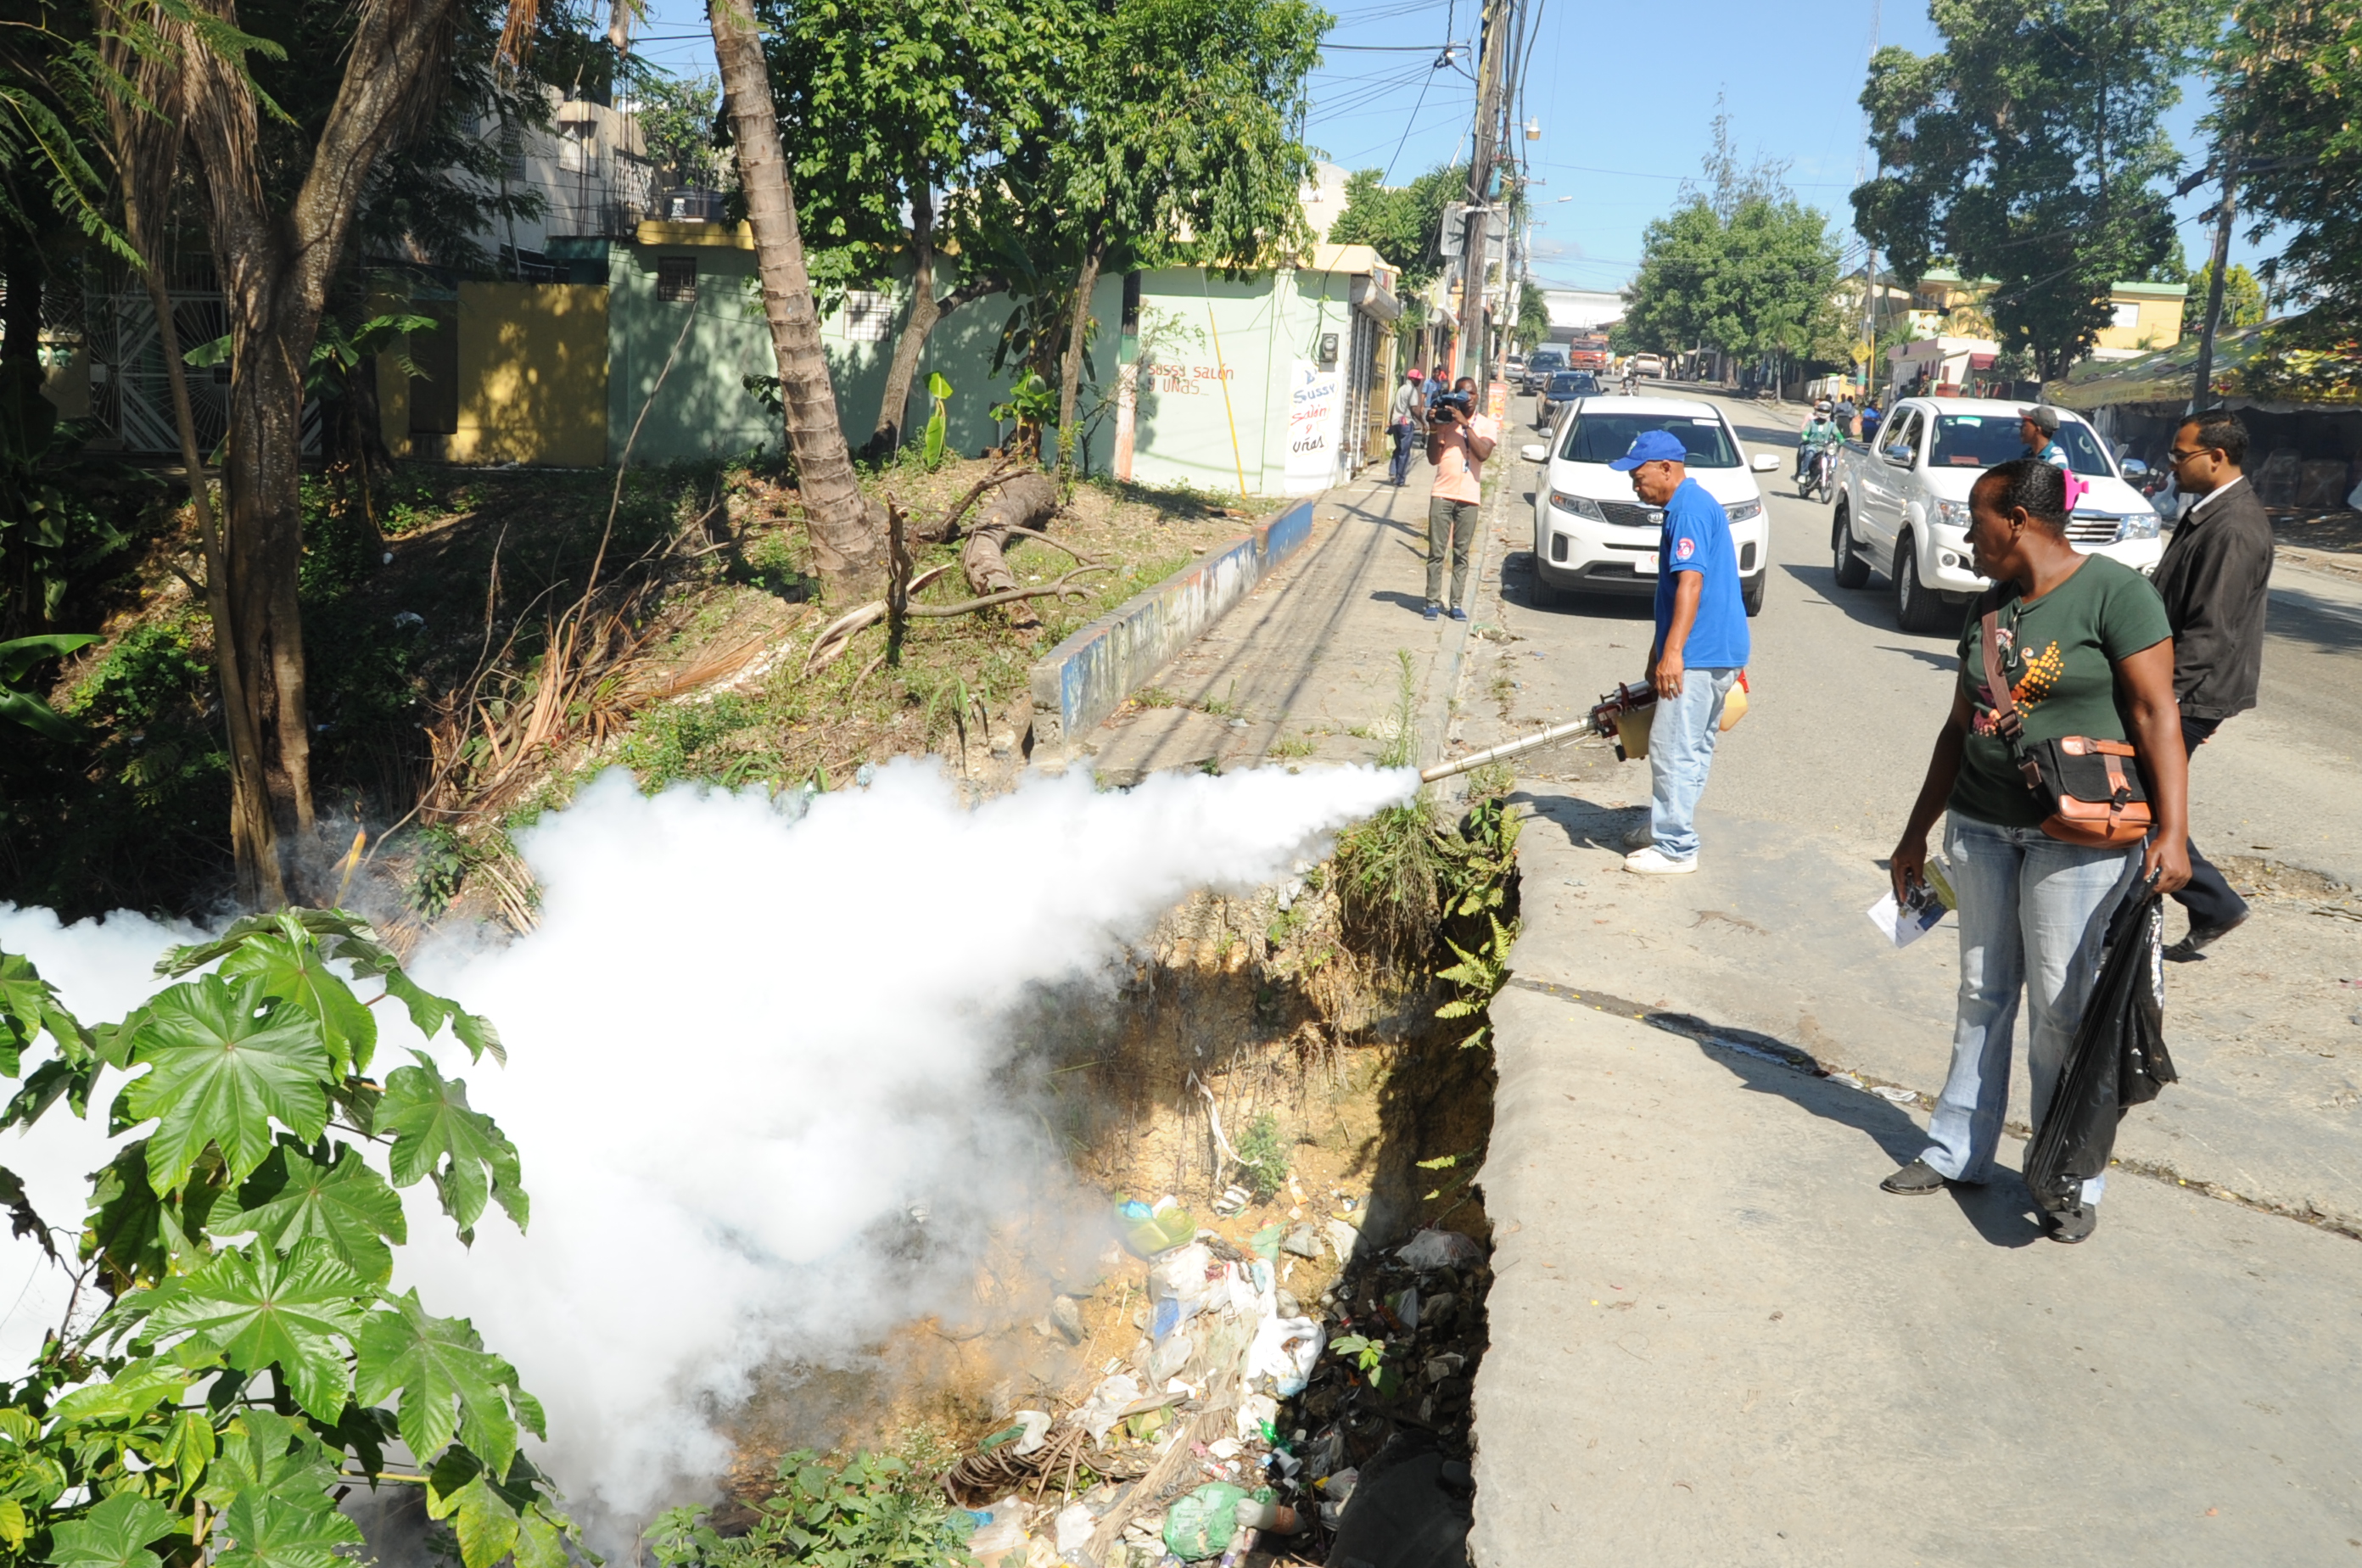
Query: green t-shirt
(2058, 653)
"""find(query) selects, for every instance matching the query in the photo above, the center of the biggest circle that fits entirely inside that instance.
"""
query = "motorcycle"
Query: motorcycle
(1815, 483)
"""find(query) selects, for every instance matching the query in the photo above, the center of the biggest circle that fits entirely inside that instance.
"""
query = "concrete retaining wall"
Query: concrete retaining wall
(1086, 677)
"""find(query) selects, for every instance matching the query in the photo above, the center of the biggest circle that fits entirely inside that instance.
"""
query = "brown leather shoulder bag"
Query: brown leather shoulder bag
(2092, 786)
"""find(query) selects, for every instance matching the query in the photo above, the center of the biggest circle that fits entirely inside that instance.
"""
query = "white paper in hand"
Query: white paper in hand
(1906, 923)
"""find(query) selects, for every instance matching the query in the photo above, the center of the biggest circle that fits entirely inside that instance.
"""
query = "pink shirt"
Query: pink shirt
(1459, 474)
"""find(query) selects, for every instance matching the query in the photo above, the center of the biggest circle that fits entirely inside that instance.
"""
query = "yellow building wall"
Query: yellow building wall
(532, 374)
(2159, 324)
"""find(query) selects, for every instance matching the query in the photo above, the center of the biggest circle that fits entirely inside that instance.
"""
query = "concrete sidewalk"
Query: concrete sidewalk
(1714, 1341)
(1306, 668)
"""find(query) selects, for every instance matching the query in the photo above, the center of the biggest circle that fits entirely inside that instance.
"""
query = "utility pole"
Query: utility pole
(2201, 387)
(1475, 347)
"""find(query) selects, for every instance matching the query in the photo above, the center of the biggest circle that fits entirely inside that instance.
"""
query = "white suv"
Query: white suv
(1592, 534)
(1903, 508)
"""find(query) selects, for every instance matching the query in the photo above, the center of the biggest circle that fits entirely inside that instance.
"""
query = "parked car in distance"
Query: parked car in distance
(1592, 534)
(1902, 506)
(1562, 387)
(1542, 364)
(1513, 369)
(1648, 365)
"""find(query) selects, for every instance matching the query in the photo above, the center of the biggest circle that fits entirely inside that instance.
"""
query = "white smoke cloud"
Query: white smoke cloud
(742, 1050)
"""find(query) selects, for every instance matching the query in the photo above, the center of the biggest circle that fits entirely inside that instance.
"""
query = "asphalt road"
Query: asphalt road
(1807, 799)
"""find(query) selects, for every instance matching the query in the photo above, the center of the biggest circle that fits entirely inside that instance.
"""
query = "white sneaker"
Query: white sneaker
(1655, 862)
(1640, 837)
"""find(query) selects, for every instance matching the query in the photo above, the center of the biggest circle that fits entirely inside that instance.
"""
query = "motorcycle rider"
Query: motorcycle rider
(1821, 434)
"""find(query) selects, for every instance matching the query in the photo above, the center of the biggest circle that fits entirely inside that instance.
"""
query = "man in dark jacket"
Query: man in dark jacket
(2213, 578)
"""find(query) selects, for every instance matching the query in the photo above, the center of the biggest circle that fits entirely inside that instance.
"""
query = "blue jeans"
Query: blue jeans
(2034, 913)
(1404, 435)
(1681, 749)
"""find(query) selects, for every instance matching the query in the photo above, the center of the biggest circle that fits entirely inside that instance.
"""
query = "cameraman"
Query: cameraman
(1459, 439)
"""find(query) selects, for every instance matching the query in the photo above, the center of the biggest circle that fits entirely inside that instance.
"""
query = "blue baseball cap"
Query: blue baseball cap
(1652, 447)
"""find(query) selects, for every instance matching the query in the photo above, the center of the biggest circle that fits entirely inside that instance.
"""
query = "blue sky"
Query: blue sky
(1623, 96)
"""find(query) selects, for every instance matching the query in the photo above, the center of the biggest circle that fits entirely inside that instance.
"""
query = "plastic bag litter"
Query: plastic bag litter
(1258, 1416)
(1344, 1239)
(1026, 1432)
(1074, 1526)
(1286, 1350)
(1201, 1524)
(1097, 1414)
(1439, 1249)
(1001, 1542)
(1177, 1289)
(2118, 1059)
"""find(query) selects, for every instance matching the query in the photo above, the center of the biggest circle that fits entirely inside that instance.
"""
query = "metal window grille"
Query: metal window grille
(513, 151)
(865, 313)
(677, 279)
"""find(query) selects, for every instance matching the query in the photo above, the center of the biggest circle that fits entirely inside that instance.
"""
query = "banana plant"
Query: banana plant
(249, 1359)
(17, 658)
(940, 390)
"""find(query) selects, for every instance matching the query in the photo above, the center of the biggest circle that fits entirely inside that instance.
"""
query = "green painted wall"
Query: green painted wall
(702, 409)
(1198, 332)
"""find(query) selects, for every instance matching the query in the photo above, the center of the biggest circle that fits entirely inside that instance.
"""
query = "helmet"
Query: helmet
(1824, 406)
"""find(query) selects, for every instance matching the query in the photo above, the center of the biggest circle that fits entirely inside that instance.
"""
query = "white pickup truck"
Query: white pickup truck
(1903, 505)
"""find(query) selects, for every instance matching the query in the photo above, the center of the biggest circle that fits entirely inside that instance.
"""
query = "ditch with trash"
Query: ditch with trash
(1253, 1336)
(1283, 1340)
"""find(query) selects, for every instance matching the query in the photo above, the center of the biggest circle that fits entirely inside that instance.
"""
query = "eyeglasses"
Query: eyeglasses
(2177, 457)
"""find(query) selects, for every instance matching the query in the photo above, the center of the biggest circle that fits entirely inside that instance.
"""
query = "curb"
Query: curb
(1087, 676)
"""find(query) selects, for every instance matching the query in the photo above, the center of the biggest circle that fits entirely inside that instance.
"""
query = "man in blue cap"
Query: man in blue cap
(1700, 648)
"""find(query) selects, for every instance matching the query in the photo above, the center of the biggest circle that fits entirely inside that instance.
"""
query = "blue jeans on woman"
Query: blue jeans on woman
(2033, 916)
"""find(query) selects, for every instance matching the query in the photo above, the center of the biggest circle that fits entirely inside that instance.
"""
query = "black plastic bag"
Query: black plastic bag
(2118, 1059)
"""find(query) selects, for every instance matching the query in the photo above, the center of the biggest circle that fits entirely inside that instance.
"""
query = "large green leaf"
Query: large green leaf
(430, 1012)
(221, 1066)
(264, 1448)
(292, 971)
(295, 1196)
(258, 1308)
(286, 1528)
(30, 1005)
(447, 1381)
(113, 1535)
(435, 1133)
(134, 1391)
(134, 1234)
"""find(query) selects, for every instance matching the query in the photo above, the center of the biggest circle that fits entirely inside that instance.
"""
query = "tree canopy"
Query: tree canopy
(2288, 81)
(1400, 222)
(2027, 151)
(1762, 283)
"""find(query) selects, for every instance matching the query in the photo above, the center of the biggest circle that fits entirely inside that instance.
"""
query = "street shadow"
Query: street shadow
(1587, 824)
(1873, 605)
(1948, 663)
(2001, 1211)
(2299, 616)
(1414, 602)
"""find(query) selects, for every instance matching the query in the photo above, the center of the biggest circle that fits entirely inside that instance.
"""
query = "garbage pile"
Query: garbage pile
(1228, 1430)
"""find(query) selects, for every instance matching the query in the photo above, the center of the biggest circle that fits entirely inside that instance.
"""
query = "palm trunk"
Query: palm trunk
(848, 534)
(1070, 374)
(925, 311)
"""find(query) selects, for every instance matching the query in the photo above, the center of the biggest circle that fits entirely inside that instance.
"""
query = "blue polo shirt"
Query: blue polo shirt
(1697, 538)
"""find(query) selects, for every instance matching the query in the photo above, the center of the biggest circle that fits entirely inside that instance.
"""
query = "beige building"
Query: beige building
(2142, 317)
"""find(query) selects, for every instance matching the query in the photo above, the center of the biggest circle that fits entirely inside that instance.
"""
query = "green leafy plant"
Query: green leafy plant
(242, 1231)
(1263, 1155)
(19, 657)
(870, 1512)
(1033, 406)
(1368, 1356)
(940, 390)
(1477, 977)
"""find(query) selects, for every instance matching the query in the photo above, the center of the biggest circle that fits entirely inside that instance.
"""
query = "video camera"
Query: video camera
(1464, 403)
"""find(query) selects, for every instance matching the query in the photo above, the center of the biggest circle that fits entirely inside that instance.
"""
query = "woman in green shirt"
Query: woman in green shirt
(2087, 650)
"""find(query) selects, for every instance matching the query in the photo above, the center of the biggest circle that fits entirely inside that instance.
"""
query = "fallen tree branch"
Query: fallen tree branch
(835, 636)
(1037, 534)
(942, 529)
(1009, 596)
